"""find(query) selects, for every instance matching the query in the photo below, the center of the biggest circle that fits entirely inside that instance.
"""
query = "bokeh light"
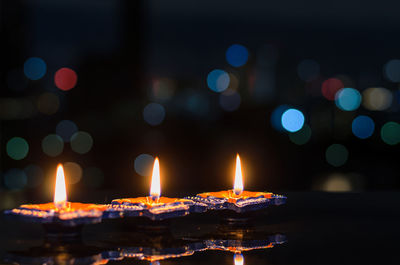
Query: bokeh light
(73, 172)
(65, 79)
(390, 133)
(363, 127)
(218, 80)
(233, 82)
(292, 120)
(337, 183)
(308, 70)
(144, 164)
(237, 55)
(302, 136)
(34, 175)
(52, 145)
(34, 68)
(65, 129)
(154, 114)
(197, 104)
(348, 99)
(229, 100)
(336, 155)
(377, 98)
(392, 70)
(330, 87)
(48, 103)
(17, 148)
(15, 179)
(93, 177)
(163, 89)
(81, 142)
(276, 117)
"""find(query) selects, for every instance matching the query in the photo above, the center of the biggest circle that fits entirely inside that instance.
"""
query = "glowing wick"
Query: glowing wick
(155, 188)
(60, 193)
(238, 186)
(238, 259)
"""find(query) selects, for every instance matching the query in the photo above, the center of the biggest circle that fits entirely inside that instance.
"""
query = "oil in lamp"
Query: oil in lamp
(238, 199)
(59, 215)
(153, 206)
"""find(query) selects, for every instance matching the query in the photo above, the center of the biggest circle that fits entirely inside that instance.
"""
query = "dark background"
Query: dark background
(128, 54)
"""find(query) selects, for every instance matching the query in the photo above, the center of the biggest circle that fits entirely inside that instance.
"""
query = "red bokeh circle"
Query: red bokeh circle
(330, 87)
(65, 78)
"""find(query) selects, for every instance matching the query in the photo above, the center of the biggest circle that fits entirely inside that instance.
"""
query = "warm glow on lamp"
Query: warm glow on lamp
(238, 259)
(238, 186)
(60, 192)
(155, 188)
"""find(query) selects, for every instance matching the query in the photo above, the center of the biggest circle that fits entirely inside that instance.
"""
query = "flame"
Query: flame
(238, 259)
(60, 192)
(155, 188)
(238, 186)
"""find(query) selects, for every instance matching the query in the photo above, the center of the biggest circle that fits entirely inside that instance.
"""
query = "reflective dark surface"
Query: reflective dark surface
(313, 228)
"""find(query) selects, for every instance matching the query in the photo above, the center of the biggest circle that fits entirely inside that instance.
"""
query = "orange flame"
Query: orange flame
(60, 192)
(238, 186)
(238, 259)
(155, 188)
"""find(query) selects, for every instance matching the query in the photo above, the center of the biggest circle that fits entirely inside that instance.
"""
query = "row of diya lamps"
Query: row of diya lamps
(70, 214)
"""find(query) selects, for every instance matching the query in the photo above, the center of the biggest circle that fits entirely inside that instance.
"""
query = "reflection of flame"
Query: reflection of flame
(60, 193)
(238, 186)
(238, 259)
(155, 188)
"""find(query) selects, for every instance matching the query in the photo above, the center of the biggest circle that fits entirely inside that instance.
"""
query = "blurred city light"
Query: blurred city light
(392, 70)
(218, 80)
(348, 99)
(308, 70)
(337, 183)
(81, 142)
(34, 175)
(302, 136)
(336, 155)
(17, 148)
(197, 104)
(34, 68)
(143, 164)
(52, 145)
(73, 172)
(276, 117)
(292, 120)
(163, 89)
(15, 179)
(154, 114)
(48, 103)
(363, 126)
(65, 79)
(229, 100)
(237, 55)
(390, 133)
(377, 98)
(330, 87)
(65, 129)
(233, 82)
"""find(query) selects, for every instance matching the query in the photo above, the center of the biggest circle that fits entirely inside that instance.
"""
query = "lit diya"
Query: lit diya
(238, 200)
(153, 206)
(60, 212)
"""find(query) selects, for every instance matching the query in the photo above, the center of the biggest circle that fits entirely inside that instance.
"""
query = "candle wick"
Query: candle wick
(237, 192)
(154, 198)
